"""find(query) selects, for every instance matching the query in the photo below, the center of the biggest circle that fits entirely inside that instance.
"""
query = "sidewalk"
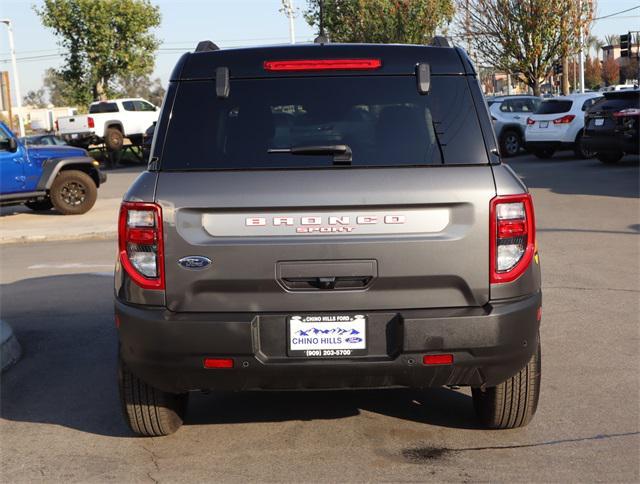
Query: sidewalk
(19, 224)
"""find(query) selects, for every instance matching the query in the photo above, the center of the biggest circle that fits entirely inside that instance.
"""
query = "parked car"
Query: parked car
(147, 140)
(369, 238)
(611, 125)
(509, 115)
(558, 124)
(109, 122)
(46, 177)
(44, 140)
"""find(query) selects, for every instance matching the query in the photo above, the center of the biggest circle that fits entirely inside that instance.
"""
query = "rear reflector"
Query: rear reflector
(446, 359)
(218, 363)
(322, 65)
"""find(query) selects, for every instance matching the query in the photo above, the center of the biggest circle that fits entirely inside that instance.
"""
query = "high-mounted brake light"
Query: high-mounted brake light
(90, 122)
(564, 119)
(298, 65)
(140, 243)
(512, 236)
(531, 122)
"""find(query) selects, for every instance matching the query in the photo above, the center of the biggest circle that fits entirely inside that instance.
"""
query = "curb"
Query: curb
(10, 350)
(107, 235)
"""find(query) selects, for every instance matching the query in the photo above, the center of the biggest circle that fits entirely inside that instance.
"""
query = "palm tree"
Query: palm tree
(594, 43)
(612, 39)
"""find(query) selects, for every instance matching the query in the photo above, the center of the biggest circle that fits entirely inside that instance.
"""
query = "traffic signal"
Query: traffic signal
(625, 41)
(557, 68)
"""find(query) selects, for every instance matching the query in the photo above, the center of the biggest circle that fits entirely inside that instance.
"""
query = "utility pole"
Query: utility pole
(16, 80)
(581, 51)
(287, 7)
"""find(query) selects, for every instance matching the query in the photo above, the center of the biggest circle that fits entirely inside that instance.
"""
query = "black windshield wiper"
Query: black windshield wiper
(342, 154)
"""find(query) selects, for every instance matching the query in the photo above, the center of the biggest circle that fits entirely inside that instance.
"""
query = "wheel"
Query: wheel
(114, 139)
(73, 192)
(610, 157)
(513, 403)
(148, 411)
(40, 205)
(510, 143)
(544, 153)
(580, 151)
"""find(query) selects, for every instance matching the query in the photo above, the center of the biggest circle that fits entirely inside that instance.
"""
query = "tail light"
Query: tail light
(531, 122)
(627, 112)
(512, 236)
(140, 243)
(57, 127)
(564, 119)
(322, 65)
(90, 122)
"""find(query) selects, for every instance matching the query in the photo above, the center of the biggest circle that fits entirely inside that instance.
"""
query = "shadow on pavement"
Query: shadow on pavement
(564, 174)
(67, 374)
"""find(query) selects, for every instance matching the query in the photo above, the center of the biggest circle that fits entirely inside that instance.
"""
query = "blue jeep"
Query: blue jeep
(46, 177)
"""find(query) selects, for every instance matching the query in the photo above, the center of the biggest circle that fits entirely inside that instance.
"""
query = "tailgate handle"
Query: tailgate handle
(326, 275)
(326, 283)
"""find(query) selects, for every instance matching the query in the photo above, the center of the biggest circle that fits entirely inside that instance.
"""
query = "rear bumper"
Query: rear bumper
(489, 345)
(611, 143)
(544, 145)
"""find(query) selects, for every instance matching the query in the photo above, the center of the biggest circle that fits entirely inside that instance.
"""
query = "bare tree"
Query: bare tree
(524, 37)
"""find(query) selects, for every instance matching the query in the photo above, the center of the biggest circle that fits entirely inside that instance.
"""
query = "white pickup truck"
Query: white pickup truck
(109, 122)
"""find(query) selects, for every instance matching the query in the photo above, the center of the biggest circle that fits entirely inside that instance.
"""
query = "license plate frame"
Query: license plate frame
(306, 332)
(544, 124)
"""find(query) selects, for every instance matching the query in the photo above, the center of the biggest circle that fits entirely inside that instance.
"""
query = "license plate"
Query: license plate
(544, 124)
(327, 335)
(74, 136)
(598, 122)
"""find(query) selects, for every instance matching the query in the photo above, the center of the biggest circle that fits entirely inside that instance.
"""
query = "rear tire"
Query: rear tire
(610, 157)
(510, 143)
(580, 151)
(544, 154)
(73, 192)
(513, 403)
(40, 205)
(113, 139)
(149, 412)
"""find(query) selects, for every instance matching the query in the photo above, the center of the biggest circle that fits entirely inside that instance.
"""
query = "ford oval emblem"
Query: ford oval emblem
(195, 262)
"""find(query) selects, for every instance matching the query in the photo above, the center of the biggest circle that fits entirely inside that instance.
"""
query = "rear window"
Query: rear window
(615, 101)
(103, 108)
(384, 120)
(554, 106)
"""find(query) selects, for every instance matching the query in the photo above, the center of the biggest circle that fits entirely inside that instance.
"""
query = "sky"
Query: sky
(228, 23)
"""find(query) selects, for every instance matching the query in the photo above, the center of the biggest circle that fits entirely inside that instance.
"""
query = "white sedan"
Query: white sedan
(557, 124)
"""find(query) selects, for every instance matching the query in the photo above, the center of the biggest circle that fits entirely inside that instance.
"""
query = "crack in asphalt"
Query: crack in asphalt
(154, 459)
(425, 454)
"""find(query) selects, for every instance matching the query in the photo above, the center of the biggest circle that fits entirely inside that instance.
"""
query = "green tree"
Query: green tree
(35, 99)
(380, 21)
(103, 40)
(141, 86)
(524, 37)
(59, 91)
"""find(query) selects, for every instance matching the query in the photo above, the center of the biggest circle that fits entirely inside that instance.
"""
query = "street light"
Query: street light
(16, 80)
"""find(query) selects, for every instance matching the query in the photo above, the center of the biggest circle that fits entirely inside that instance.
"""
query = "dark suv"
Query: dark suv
(326, 216)
(612, 124)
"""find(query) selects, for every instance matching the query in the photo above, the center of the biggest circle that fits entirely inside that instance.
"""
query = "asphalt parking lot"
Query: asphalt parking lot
(60, 415)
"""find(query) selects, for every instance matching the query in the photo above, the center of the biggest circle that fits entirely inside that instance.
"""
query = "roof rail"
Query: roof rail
(206, 46)
(440, 41)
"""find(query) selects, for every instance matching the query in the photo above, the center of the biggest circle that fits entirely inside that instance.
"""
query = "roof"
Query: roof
(398, 59)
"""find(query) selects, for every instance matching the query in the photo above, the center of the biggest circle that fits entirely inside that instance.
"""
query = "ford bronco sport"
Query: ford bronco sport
(326, 216)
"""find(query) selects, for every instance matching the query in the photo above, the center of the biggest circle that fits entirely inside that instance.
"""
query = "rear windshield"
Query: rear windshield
(553, 106)
(103, 108)
(615, 101)
(383, 120)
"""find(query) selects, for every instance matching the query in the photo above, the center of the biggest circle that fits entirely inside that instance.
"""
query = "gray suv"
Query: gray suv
(326, 216)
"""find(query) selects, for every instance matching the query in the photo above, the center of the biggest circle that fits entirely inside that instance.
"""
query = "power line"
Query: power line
(617, 13)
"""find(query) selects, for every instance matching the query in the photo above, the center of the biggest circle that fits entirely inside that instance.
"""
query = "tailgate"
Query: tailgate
(327, 240)
(74, 124)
